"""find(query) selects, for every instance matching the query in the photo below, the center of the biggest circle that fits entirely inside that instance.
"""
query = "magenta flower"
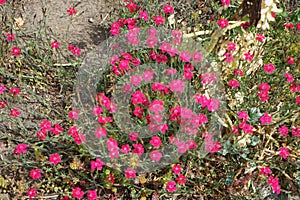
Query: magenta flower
(20, 148)
(243, 115)
(10, 37)
(289, 77)
(92, 195)
(283, 130)
(35, 174)
(265, 171)
(71, 11)
(231, 46)
(147, 75)
(197, 56)
(125, 148)
(158, 20)
(225, 2)
(55, 158)
(168, 9)
(144, 15)
(97, 164)
(222, 23)
(176, 169)
(130, 173)
(155, 141)
(138, 149)
(290, 60)
(171, 186)
(181, 180)
(233, 83)
(269, 68)
(55, 45)
(248, 56)
(14, 112)
(266, 119)
(284, 152)
(15, 51)
(260, 37)
(31, 193)
(77, 193)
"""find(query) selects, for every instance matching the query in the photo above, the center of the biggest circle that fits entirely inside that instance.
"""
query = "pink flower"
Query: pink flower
(46, 125)
(228, 57)
(222, 23)
(290, 60)
(270, 68)
(10, 37)
(289, 26)
(73, 114)
(147, 75)
(265, 171)
(168, 9)
(92, 195)
(76, 51)
(225, 2)
(248, 56)
(266, 119)
(135, 80)
(208, 78)
(158, 20)
(177, 37)
(192, 144)
(114, 31)
(125, 148)
(15, 51)
(238, 72)
(296, 131)
(165, 47)
(177, 86)
(14, 91)
(133, 136)
(2, 89)
(181, 180)
(55, 158)
(131, 7)
(274, 184)
(155, 155)
(144, 15)
(243, 115)
(130, 173)
(97, 164)
(57, 129)
(71, 11)
(55, 45)
(14, 112)
(97, 110)
(185, 56)
(283, 130)
(35, 174)
(264, 87)
(138, 149)
(171, 186)
(100, 132)
(289, 77)
(213, 105)
(155, 141)
(284, 152)
(231, 46)
(31, 193)
(233, 83)
(77, 193)
(197, 56)
(260, 37)
(298, 26)
(176, 169)
(2, 2)
(156, 106)
(20, 148)
(298, 100)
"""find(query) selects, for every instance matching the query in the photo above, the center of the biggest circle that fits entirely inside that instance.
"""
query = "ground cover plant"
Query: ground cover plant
(179, 100)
